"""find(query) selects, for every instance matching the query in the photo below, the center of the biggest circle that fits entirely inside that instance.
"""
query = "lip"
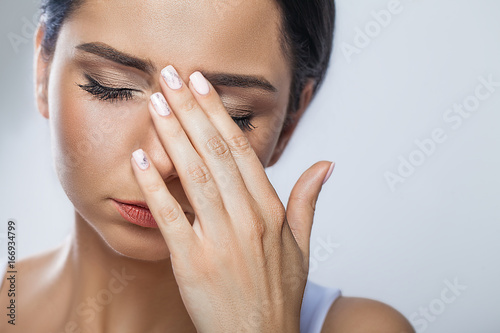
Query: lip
(136, 212)
(133, 202)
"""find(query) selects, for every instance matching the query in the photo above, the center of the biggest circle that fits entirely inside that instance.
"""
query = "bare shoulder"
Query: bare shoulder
(363, 315)
(31, 269)
(25, 265)
(24, 288)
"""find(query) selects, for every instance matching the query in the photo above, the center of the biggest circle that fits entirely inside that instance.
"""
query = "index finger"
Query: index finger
(172, 222)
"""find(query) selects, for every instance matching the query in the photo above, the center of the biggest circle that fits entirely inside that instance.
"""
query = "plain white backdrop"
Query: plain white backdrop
(405, 220)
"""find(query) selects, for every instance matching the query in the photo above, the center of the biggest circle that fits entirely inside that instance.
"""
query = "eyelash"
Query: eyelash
(104, 93)
(244, 123)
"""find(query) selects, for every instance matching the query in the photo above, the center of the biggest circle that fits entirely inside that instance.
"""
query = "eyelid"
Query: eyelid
(238, 103)
(239, 110)
(97, 81)
(107, 71)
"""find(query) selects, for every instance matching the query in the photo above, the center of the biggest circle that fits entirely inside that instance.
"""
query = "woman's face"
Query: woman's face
(93, 138)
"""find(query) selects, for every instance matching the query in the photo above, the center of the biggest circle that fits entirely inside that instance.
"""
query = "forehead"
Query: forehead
(240, 36)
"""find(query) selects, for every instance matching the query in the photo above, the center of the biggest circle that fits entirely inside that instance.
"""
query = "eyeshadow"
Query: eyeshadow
(112, 75)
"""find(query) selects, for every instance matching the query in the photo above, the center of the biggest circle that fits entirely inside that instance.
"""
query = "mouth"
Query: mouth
(136, 212)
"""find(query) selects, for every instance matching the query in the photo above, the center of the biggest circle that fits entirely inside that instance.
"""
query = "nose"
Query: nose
(158, 156)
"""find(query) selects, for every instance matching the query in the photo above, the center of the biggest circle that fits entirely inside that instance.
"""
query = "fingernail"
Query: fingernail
(141, 159)
(171, 77)
(160, 104)
(200, 83)
(329, 173)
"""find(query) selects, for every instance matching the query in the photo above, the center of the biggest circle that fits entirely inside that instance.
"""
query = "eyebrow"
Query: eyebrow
(145, 65)
(240, 81)
(107, 52)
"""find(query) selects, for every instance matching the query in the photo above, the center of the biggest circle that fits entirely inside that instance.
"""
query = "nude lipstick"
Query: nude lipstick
(136, 213)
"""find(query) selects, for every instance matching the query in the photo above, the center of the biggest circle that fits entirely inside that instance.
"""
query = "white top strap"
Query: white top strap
(315, 305)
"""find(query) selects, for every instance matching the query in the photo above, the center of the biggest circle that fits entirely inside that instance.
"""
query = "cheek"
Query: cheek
(89, 138)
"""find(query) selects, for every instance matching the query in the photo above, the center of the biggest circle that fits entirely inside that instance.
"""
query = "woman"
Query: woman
(177, 228)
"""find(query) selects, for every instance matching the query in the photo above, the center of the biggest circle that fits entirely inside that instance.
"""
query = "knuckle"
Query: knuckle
(277, 213)
(218, 147)
(169, 214)
(153, 187)
(198, 173)
(174, 132)
(257, 228)
(189, 105)
(239, 144)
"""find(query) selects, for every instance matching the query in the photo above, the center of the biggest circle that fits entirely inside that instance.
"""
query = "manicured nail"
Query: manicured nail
(329, 173)
(171, 77)
(141, 159)
(200, 83)
(160, 104)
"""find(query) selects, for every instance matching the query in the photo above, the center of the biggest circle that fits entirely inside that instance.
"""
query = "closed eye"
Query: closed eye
(105, 93)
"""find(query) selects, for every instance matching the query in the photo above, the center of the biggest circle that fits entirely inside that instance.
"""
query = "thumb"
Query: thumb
(302, 202)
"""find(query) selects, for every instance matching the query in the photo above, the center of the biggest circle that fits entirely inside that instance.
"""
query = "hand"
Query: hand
(243, 264)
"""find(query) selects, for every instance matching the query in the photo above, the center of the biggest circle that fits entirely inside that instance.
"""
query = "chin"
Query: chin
(111, 232)
(136, 242)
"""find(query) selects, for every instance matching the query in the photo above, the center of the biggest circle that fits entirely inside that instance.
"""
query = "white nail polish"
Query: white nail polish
(200, 84)
(141, 159)
(160, 104)
(171, 77)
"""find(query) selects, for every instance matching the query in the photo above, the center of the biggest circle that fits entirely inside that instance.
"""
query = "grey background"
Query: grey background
(404, 247)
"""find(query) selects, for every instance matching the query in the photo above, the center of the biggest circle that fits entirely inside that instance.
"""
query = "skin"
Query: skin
(93, 141)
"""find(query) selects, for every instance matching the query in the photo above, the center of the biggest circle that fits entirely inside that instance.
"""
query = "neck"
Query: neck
(113, 293)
